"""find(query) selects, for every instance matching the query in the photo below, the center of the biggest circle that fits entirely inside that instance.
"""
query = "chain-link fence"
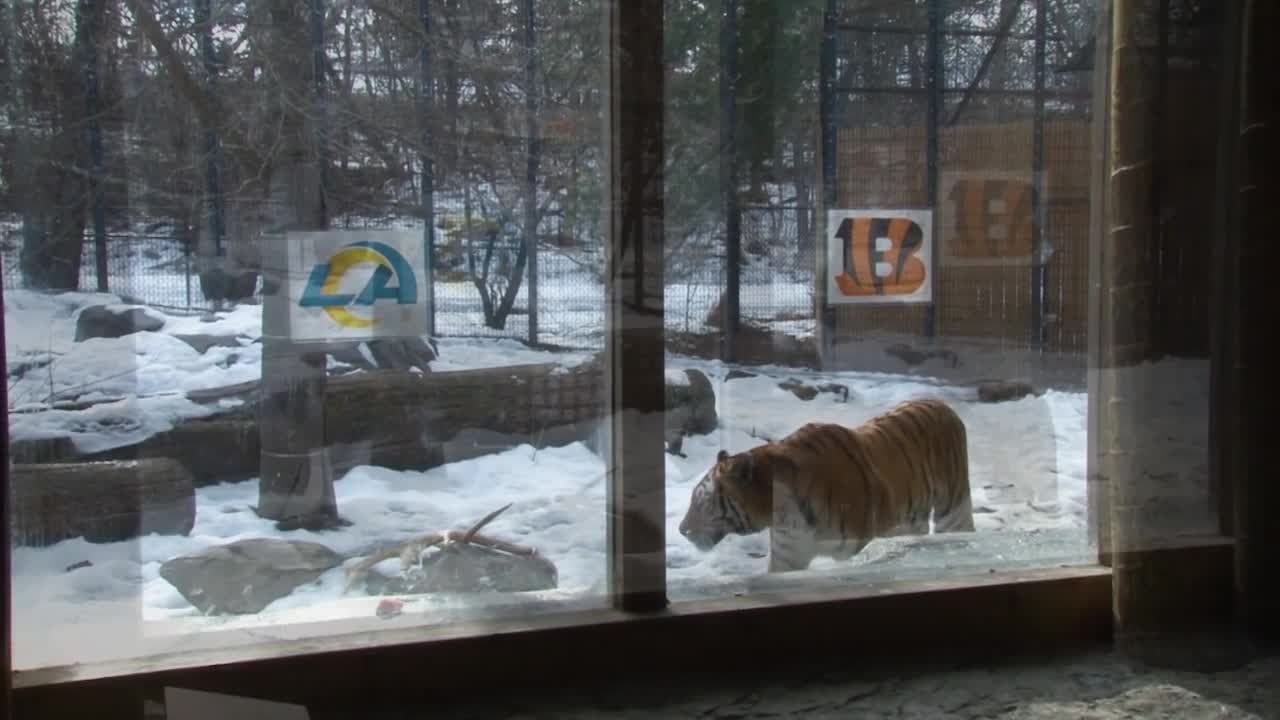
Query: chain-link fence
(148, 263)
(776, 275)
(152, 264)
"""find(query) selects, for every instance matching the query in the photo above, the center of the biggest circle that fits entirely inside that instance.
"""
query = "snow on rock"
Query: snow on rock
(113, 321)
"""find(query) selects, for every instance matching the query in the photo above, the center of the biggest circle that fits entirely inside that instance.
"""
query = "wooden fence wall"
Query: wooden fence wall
(981, 292)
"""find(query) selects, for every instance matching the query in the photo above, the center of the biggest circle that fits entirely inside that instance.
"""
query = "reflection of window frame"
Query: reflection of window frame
(1002, 611)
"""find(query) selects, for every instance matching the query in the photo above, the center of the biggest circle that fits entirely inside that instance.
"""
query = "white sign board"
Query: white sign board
(356, 285)
(879, 256)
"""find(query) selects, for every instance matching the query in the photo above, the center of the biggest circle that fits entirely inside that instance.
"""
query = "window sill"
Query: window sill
(989, 612)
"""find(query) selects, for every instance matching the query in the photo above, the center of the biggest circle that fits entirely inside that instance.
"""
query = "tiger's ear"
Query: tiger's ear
(722, 456)
(743, 471)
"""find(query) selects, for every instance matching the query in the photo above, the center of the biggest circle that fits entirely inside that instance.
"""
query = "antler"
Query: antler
(415, 546)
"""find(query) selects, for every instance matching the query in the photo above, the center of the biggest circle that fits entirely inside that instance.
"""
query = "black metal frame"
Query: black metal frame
(729, 177)
(935, 89)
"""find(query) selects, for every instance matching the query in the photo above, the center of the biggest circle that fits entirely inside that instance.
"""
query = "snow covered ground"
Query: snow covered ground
(1027, 462)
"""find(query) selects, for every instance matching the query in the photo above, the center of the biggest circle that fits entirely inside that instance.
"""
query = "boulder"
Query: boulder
(809, 392)
(101, 321)
(994, 391)
(691, 406)
(836, 388)
(799, 389)
(245, 576)
(912, 357)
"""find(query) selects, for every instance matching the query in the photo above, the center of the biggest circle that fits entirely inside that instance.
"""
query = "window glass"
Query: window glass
(289, 294)
(911, 208)
(307, 304)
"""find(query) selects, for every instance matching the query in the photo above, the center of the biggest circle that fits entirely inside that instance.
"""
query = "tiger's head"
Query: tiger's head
(729, 499)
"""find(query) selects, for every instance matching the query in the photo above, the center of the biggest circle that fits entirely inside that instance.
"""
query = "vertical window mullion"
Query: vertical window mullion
(634, 337)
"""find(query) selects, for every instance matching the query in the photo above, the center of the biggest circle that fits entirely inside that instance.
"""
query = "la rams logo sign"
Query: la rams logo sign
(392, 280)
(347, 285)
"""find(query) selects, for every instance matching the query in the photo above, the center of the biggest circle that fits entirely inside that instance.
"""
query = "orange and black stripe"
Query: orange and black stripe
(973, 237)
(860, 256)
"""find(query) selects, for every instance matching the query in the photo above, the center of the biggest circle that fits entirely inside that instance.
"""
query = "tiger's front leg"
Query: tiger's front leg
(789, 552)
(793, 541)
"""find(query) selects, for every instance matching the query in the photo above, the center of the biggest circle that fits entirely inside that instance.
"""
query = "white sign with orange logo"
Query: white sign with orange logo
(879, 256)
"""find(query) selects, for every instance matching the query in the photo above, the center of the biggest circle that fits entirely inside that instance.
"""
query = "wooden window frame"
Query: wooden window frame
(990, 613)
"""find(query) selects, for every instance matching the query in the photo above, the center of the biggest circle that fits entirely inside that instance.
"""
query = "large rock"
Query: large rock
(245, 576)
(994, 391)
(691, 402)
(466, 568)
(101, 321)
(691, 406)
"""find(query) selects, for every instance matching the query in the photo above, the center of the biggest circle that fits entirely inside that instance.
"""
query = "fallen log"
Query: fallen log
(393, 419)
(214, 451)
(101, 501)
(408, 421)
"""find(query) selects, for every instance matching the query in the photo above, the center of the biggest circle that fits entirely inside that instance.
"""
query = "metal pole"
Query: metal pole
(1039, 217)
(89, 28)
(531, 166)
(934, 82)
(426, 115)
(730, 310)
(826, 123)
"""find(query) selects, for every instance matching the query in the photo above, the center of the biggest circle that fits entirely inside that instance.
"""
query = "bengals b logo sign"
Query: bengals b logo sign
(879, 256)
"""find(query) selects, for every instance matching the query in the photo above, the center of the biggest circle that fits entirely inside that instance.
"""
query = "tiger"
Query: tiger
(828, 489)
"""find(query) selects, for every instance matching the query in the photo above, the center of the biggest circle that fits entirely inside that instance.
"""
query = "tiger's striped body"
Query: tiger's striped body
(827, 489)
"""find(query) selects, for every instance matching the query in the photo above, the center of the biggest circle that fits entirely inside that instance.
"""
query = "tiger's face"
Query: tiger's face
(718, 505)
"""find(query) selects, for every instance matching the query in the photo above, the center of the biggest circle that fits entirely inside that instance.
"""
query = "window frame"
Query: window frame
(998, 612)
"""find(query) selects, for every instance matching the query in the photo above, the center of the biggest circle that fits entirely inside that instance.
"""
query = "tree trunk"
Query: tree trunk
(53, 222)
(101, 501)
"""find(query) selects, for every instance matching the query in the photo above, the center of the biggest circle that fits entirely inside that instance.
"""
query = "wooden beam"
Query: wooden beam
(1096, 488)
(1257, 494)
